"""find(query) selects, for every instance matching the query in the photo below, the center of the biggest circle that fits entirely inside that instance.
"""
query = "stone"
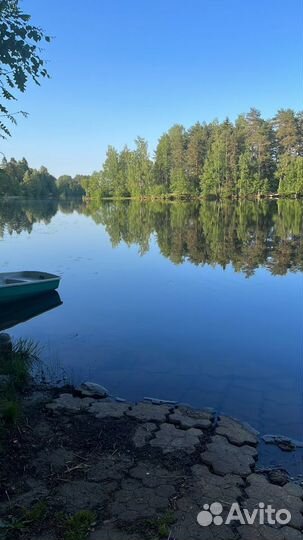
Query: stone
(54, 461)
(284, 443)
(289, 496)
(82, 495)
(109, 532)
(188, 418)
(278, 476)
(143, 434)
(225, 458)
(101, 409)
(90, 389)
(148, 412)
(109, 468)
(69, 403)
(204, 487)
(38, 492)
(171, 439)
(264, 532)
(152, 475)
(207, 487)
(187, 527)
(235, 432)
(134, 501)
(46, 536)
(36, 398)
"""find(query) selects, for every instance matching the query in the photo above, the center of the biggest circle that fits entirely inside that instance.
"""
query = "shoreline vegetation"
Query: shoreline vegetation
(249, 158)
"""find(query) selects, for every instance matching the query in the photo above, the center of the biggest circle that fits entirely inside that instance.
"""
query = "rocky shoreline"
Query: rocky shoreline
(141, 471)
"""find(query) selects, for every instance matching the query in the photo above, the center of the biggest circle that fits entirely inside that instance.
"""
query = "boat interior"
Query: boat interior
(14, 278)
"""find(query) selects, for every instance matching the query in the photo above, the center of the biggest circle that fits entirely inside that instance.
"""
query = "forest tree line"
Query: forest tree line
(17, 179)
(250, 157)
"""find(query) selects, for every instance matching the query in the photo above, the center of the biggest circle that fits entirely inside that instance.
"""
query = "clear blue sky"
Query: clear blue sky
(122, 68)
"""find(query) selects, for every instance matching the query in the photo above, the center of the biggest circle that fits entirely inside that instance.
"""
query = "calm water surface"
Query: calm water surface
(196, 303)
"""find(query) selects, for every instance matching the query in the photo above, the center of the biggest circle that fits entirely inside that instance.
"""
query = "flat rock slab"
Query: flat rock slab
(110, 532)
(191, 418)
(134, 501)
(37, 492)
(101, 409)
(187, 527)
(148, 412)
(82, 495)
(264, 532)
(207, 487)
(70, 403)
(204, 487)
(109, 468)
(54, 461)
(143, 434)
(288, 496)
(171, 439)
(225, 458)
(152, 475)
(235, 432)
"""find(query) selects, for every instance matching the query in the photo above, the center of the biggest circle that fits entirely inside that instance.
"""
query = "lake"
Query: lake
(199, 303)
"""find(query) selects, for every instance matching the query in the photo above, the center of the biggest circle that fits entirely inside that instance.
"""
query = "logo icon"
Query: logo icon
(210, 514)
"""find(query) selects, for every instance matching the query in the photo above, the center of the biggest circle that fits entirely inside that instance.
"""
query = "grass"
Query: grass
(75, 527)
(16, 366)
(161, 527)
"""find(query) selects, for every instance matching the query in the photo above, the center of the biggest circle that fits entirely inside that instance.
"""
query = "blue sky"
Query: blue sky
(122, 68)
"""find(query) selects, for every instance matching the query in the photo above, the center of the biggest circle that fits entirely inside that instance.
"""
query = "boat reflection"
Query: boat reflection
(23, 310)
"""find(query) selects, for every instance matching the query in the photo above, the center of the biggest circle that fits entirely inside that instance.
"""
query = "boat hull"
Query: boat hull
(28, 288)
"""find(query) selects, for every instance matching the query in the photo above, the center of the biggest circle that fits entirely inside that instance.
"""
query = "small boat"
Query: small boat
(19, 285)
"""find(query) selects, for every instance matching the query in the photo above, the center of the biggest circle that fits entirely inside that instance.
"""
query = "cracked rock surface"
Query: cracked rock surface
(225, 458)
(146, 471)
(170, 439)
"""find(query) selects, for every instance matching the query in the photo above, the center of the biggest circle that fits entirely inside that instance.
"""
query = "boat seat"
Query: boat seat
(11, 281)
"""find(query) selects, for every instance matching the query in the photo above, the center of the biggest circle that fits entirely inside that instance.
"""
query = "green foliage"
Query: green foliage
(39, 184)
(18, 179)
(20, 57)
(70, 188)
(290, 175)
(221, 160)
(9, 408)
(16, 366)
(161, 526)
(77, 527)
(250, 158)
(26, 518)
(36, 514)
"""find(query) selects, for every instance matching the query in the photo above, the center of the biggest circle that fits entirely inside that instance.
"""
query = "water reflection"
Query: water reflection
(18, 312)
(246, 235)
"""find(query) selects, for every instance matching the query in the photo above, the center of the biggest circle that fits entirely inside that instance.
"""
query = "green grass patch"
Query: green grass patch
(161, 526)
(16, 367)
(77, 527)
